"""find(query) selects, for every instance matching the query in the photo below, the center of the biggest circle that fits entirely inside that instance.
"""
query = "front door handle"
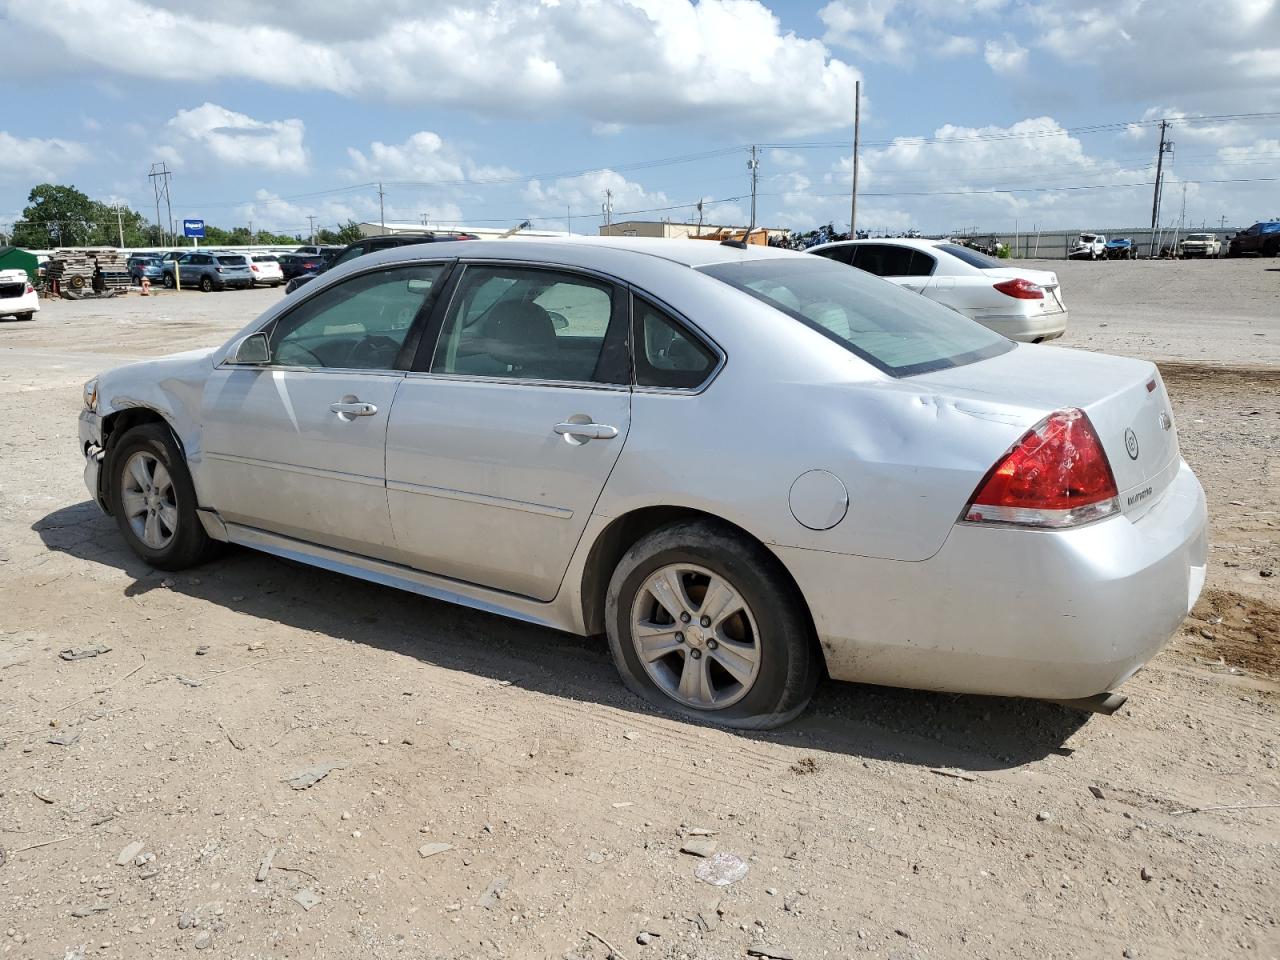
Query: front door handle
(350, 409)
(586, 431)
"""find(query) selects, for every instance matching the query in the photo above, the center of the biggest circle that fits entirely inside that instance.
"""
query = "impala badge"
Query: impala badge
(1131, 444)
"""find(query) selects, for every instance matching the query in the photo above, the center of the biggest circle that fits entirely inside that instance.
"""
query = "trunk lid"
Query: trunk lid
(1124, 398)
(1045, 278)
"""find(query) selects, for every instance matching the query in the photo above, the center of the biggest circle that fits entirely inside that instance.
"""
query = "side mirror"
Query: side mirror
(252, 351)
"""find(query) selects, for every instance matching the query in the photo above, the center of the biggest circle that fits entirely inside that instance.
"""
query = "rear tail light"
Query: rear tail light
(253, 267)
(1056, 476)
(1021, 289)
(30, 289)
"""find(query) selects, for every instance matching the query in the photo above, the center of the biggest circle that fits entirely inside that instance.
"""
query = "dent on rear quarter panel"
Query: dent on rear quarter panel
(910, 459)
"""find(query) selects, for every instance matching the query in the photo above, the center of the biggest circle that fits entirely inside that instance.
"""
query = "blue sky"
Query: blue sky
(985, 113)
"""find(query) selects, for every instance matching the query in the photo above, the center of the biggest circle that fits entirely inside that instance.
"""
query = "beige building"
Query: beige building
(667, 230)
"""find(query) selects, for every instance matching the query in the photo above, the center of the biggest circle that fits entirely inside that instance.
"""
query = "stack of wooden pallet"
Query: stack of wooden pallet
(76, 269)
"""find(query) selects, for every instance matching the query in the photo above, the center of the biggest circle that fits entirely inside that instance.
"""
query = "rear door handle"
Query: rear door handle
(350, 409)
(586, 431)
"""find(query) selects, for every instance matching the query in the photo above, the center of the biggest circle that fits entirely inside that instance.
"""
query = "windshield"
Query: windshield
(972, 257)
(264, 260)
(898, 332)
(231, 261)
(1200, 236)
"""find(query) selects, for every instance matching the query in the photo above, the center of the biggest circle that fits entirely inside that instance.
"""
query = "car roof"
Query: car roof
(691, 253)
(918, 243)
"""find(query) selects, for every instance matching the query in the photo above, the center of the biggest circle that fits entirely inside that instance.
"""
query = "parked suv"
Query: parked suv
(371, 245)
(145, 267)
(1090, 246)
(210, 271)
(266, 269)
(1262, 238)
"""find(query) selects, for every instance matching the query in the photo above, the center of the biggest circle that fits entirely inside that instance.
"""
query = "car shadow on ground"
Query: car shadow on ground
(908, 726)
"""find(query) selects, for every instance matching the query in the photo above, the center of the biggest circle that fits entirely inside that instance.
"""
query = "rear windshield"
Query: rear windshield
(231, 261)
(267, 259)
(896, 331)
(972, 257)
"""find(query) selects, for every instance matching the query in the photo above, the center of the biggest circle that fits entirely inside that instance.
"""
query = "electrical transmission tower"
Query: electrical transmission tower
(159, 176)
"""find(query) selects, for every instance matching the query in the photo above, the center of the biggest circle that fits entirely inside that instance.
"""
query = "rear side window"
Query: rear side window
(883, 259)
(896, 331)
(667, 353)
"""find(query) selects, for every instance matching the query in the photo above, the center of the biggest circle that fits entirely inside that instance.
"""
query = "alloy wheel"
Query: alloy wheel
(149, 500)
(695, 636)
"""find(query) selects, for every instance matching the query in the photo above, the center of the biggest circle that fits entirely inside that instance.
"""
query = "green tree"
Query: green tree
(349, 232)
(55, 216)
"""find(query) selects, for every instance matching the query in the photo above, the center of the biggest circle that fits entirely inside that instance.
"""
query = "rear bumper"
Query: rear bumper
(1027, 328)
(1045, 614)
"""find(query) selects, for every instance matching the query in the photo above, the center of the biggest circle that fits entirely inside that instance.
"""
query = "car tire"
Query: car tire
(168, 535)
(206, 284)
(774, 653)
(168, 281)
(29, 315)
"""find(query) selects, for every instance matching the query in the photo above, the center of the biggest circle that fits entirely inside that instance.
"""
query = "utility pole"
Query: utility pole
(312, 220)
(1222, 222)
(425, 218)
(382, 209)
(120, 225)
(754, 166)
(1166, 146)
(607, 208)
(568, 213)
(159, 177)
(251, 237)
(857, 131)
(699, 233)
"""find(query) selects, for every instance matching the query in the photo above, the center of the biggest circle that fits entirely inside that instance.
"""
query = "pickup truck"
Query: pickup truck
(1199, 245)
(1088, 246)
(1262, 238)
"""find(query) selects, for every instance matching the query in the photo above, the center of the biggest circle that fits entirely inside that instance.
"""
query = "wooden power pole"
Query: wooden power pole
(857, 124)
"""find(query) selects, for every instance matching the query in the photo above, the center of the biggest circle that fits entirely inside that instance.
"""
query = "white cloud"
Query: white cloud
(234, 139)
(423, 156)
(956, 46)
(863, 25)
(585, 194)
(1005, 55)
(25, 159)
(612, 61)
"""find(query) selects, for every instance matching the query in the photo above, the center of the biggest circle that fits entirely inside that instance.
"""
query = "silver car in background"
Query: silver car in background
(748, 467)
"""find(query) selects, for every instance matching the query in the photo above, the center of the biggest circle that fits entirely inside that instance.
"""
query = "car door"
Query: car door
(502, 439)
(890, 261)
(296, 446)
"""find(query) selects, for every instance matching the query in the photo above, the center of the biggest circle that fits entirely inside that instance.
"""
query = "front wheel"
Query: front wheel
(154, 501)
(168, 281)
(704, 623)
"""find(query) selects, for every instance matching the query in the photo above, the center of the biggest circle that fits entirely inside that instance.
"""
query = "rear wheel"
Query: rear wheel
(206, 284)
(168, 281)
(704, 623)
(154, 501)
(29, 315)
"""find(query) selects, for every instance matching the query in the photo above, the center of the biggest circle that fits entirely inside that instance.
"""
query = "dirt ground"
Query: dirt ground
(145, 808)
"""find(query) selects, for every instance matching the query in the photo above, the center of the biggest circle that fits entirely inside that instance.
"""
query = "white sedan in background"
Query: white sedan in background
(18, 298)
(266, 269)
(1020, 303)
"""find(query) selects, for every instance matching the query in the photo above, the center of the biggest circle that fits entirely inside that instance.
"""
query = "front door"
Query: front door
(297, 447)
(499, 447)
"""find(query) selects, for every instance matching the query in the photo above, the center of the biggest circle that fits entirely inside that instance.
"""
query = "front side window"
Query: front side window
(896, 331)
(529, 324)
(842, 254)
(359, 324)
(667, 354)
(350, 254)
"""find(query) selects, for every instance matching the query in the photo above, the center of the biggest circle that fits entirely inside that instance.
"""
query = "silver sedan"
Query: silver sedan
(747, 467)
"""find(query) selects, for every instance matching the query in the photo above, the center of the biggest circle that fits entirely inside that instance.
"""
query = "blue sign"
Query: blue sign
(193, 228)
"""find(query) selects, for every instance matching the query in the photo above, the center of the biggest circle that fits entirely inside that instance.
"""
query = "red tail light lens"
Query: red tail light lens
(30, 289)
(1021, 289)
(1056, 476)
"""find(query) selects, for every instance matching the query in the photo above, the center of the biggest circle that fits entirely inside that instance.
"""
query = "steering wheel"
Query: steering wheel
(372, 348)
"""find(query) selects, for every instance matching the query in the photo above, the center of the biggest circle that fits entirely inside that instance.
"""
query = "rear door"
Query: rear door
(502, 439)
(897, 264)
(297, 446)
